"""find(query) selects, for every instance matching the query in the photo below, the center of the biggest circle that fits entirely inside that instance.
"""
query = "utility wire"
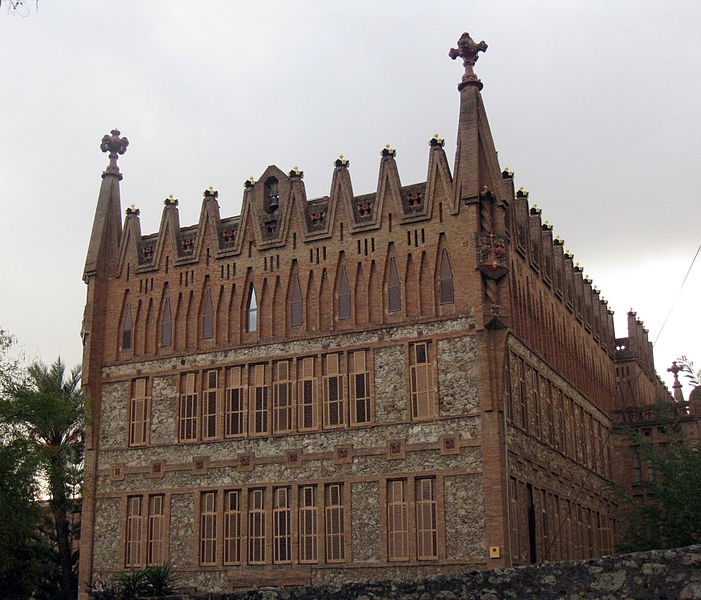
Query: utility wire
(693, 260)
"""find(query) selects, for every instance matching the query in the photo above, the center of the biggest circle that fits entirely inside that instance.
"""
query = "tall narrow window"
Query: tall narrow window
(232, 527)
(210, 404)
(335, 546)
(446, 280)
(426, 522)
(134, 532)
(208, 528)
(307, 394)
(282, 397)
(359, 378)
(235, 410)
(127, 329)
(281, 525)
(422, 404)
(166, 325)
(308, 526)
(138, 413)
(156, 531)
(397, 526)
(256, 526)
(258, 399)
(188, 407)
(208, 317)
(252, 311)
(344, 297)
(394, 290)
(297, 306)
(333, 391)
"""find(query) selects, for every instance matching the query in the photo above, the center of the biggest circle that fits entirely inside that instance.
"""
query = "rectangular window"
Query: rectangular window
(281, 525)
(210, 404)
(235, 409)
(156, 531)
(397, 525)
(359, 378)
(134, 532)
(258, 399)
(308, 527)
(138, 413)
(426, 520)
(282, 397)
(232, 527)
(334, 406)
(208, 528)
(307, 394)
(188, 407)
(333, 501)
(256, 527)
(422, 404)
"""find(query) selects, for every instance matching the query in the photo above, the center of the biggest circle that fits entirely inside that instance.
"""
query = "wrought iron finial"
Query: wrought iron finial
(467, 50)
(115, 145)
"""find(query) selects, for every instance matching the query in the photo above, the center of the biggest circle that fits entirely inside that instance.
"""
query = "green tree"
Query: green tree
(46, 408)
(667, 515)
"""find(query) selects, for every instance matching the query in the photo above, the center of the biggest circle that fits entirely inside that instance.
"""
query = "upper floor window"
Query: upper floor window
(446, 280)
(297, 306)
(208, 317)
(344, 297)
(272, 195)
(127, 329)
(394, 290)
(334, 401)
(252, 311)
(359, 379)
(166, 324)
(188, 407)
(422, 400)
(138, 413)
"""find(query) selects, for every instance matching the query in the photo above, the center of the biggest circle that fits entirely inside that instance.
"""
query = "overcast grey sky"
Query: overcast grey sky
(593, 104)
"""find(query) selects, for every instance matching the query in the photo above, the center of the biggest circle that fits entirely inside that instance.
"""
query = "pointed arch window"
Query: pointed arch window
(166, 325)
(447, 294)
(127, 329)
(394, 290)
(252, 311)
(208, 317)
(297, 316)
(344, 298)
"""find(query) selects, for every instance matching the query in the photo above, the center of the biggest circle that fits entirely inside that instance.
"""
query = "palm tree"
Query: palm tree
(47, 409)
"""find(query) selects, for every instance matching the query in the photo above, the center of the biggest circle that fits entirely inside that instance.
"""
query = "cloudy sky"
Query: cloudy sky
(594, 104)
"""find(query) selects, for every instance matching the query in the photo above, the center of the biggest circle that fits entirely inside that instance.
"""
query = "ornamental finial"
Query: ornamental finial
(467, 49)
(115, 145)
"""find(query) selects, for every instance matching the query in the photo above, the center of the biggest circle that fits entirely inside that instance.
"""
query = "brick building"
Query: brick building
(405, 382)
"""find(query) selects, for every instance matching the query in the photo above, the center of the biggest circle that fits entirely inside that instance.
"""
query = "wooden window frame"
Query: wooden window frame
(282, 525)
(188, 408)
(426, 518)
(252, 324)
(307, 394)
(397, 521)
(232, 527)
(283, 404)
(210, 394)
(134, 532)
(208, 528)
(139, 412)
(156, 553)
(257, 521)
(360, 366)
(334, 523)
(235, 421)
(258, 400)
(308, 528)
(422, 398)
(334, 371)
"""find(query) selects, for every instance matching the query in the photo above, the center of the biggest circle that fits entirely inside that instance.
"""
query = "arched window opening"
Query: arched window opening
(127, 329)
(394, 290)
(344, 298)
(166, 325)
(252, 311)
(208, 318)
(297, 305)
(447, 295)
(272, 195)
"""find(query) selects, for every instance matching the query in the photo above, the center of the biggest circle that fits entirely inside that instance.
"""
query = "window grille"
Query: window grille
(235, 410)
(258, 399)
(334, 405)
(426, 520)
(138, 413)
(208, 528)
(308, 526)
(307, 394)
(397, 526)
(256, 526)
(359, 378)
(335, 546)
(210, 404)
(282, 397)
(281, 525)
(232, 527)
(188, 407)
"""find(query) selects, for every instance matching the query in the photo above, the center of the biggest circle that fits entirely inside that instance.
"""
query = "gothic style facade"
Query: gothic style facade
(407, 382)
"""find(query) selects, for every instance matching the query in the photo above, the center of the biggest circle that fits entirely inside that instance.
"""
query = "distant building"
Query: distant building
(413, 381)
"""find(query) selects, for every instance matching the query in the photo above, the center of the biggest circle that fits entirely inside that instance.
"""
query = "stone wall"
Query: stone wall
(652, 575)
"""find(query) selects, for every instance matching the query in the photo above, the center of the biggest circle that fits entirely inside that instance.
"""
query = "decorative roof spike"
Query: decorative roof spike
(467, 50)
(296, 172)
(387, 151)
(507, 173)
(132, 210)
(170, 201)
(342, 162)
(115, 145)
(522, 193)
(436, 142)
(211, 193)
(249, 183)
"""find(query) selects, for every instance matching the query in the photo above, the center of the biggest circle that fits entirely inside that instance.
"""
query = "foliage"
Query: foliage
(152, 582)
(45, 409)
(131, 584)
(161, 580)
(667, 516)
